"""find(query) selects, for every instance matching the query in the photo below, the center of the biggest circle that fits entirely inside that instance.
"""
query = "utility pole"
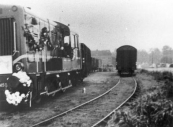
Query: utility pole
(152, 57)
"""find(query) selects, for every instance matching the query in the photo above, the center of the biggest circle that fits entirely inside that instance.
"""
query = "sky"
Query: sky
(109, 24)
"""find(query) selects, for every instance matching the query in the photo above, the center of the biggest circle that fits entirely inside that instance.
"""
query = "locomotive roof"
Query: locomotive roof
(57, 24)
(126, 47)
(64, 27)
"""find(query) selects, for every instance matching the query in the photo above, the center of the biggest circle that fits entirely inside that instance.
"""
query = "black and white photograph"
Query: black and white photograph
(86, 63)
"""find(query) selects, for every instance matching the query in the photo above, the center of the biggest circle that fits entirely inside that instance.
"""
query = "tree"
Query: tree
(167, 51)
(114, 53)
(155, 55)
(166, 59)
(167, 54)
(142, 56)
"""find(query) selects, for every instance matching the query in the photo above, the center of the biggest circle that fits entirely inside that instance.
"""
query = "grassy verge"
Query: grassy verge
(152, 108)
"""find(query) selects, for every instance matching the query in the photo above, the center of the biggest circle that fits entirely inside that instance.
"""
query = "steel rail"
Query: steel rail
(63, 113)
(117, 107)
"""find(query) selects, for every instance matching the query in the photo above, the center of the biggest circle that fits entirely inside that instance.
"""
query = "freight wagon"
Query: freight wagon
(126, 59)
(94, 63)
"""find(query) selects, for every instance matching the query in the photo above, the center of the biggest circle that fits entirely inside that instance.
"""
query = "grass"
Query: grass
(152, 109)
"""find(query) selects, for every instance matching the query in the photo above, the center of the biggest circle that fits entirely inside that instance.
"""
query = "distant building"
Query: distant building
(105, 56)
(101, 53)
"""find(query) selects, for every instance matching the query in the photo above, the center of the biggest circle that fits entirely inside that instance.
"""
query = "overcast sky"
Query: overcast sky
(108, 24)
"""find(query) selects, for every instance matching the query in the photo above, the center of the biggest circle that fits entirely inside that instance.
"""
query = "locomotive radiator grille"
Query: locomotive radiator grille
(6, 36)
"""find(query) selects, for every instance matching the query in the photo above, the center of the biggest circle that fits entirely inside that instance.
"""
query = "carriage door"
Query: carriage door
(75, 46)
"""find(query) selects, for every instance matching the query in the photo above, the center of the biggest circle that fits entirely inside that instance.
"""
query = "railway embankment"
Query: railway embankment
(153, 107)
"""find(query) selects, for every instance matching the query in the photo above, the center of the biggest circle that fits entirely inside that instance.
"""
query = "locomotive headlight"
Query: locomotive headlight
(14, 8)
(83, 60)
(18, 66)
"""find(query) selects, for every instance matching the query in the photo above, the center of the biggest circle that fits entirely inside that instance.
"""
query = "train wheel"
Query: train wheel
(38, 99)
(81, 79)
(51, 84)
(63, 90)
(55, 88)
(70, 83)
(60, 86)
(74, 82)
(53, 95)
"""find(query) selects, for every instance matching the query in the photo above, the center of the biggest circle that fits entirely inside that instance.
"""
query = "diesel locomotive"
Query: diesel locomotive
(38, 56)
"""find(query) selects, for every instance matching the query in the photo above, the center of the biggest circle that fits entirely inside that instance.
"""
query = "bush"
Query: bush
(158, 76)
(168, 88)
(143, 71)
(167, 77)
(152, 110)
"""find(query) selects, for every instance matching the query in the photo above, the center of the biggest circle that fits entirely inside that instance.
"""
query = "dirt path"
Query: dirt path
(88, 115)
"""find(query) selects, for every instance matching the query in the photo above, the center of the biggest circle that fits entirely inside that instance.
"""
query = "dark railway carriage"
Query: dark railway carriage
(100, 65)
(94, 64)
(37, 57)
(86, 59)
(126, 59)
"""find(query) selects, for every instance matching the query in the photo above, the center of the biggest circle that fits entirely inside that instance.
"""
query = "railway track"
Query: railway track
(88, 103)
(110, 114)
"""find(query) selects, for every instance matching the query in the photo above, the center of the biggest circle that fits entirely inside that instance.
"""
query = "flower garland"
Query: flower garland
(15, 97)
(45, 39)
(30, 39)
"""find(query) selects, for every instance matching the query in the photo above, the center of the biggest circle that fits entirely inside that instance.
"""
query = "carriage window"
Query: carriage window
(45, 39)
(41, 25)
(73, 45)
(35, 31)
(53, 36)
(77, 45)
(34, 21)
(58, 38)
(76, 40)
(31, 32)
(67, 46)
(28, 24)
(28, 19)
(67, 40)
